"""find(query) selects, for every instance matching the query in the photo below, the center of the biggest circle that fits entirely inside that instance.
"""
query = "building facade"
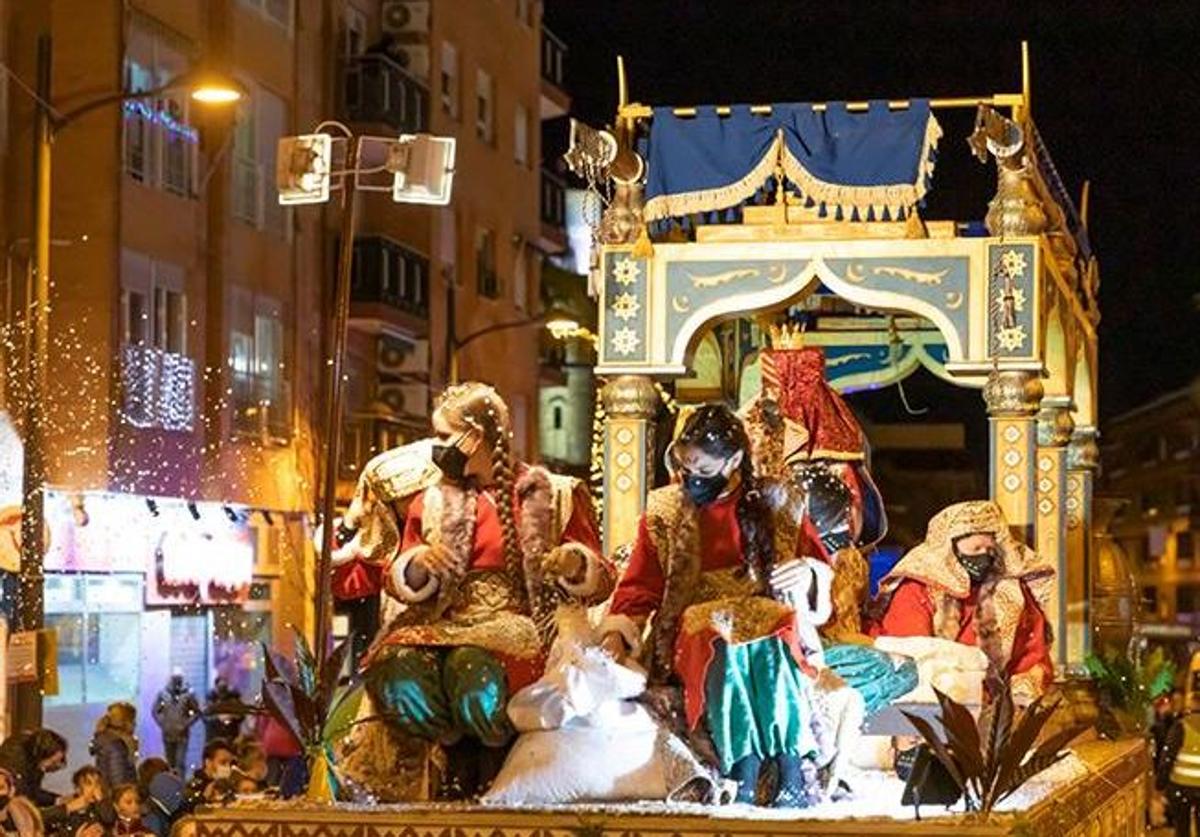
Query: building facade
(1150, 458)
(189, 311)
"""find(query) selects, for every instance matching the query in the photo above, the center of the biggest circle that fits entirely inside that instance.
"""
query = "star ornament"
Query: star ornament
(1011, 339)
(626, 272)
(625, 341)
(1013, 263)
(626, 306)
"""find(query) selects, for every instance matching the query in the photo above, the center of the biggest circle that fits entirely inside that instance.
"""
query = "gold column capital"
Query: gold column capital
(1013, 393)
(1083, 454)
(1055, 425)
(630, 396)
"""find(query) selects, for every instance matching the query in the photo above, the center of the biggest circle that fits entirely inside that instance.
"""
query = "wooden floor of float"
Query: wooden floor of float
(1105, 796)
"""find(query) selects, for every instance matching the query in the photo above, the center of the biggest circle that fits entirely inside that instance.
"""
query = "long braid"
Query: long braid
(504, 479)
(755, 524)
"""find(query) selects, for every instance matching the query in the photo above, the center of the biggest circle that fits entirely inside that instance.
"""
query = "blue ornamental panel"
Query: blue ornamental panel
(624, 318)
(1012, 294)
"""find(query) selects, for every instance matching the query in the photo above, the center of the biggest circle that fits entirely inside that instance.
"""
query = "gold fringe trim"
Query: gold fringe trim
(894, 197)
(722, 197)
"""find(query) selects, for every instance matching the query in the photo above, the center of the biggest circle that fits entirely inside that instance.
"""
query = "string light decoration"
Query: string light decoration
(158, 388)
(142, 109)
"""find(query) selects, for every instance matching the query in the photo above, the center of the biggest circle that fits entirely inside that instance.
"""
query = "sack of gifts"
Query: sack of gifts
(583, 738)
(950, 667)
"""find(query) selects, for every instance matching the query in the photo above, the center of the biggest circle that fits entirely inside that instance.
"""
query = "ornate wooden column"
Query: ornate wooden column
(630, 404)
(1013, 398)
(1083, 458)
(1054, 426)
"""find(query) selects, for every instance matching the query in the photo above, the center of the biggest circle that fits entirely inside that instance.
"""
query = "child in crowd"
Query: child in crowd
(162, 793)
(128, 805)
(93, 809)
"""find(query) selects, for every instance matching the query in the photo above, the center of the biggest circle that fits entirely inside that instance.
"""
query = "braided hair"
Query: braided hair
(478, 407)
(717, 431)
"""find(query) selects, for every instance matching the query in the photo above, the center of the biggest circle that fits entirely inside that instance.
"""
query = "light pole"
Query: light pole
(414, 168)
(47, 123)
(558, 321)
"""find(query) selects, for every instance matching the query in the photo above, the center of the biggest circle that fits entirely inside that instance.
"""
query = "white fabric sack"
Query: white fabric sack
(615, 760)
(580, 678)
(952, 668)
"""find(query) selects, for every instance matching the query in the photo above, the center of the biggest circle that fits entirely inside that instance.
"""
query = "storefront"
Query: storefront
(138, 588)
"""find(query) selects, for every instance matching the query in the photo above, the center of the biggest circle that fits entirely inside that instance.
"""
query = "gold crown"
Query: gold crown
(786, 336)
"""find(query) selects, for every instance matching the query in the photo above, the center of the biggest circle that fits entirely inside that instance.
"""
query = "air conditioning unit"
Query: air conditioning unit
(415, 59)
(404, 399)
(406, 17)
(395, 356)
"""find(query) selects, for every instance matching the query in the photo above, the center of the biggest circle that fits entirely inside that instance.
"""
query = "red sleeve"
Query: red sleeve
(413, 531)
(1031, 646)
(808, 544)
(640, 590)
(909, 613)
(582, 528)
(356, 580)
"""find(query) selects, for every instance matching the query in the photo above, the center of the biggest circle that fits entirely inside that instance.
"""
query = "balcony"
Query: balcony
(389, 284)
(158, 389)
(377, 90)
(555, 101)
(553, 213)
(365, 436)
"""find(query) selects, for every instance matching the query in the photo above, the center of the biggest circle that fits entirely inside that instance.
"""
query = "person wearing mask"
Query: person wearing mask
(715, 560)
(972, 582)
(114, 745)
(207, 786)
(87, 808)
(127, 805)
(222, 714)
(175, 710)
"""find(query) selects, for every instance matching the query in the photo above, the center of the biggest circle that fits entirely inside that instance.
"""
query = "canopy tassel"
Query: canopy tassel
(642, 248)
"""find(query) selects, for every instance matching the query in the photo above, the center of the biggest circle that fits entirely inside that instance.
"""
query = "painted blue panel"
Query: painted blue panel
(943, 282)
(626, 287)
(1011, 292)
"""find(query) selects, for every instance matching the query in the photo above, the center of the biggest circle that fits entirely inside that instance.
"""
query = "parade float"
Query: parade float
(793, 213)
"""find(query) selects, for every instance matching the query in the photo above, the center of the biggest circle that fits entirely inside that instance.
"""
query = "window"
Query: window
(557, 420)
(97, 620)
(484, 116)
(1185, 549)
(258, 367)
(449, 79)
(1150, 599)
(159, 143)
(276, 11)
(355, 23)
(487, 283)
(262, 120)
(521, 135)
(1187, 599)
(153, 303)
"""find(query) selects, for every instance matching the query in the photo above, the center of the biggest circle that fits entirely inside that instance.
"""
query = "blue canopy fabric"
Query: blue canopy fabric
(867, 165)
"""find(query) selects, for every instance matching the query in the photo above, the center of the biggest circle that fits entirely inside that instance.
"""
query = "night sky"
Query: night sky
(1115, 96)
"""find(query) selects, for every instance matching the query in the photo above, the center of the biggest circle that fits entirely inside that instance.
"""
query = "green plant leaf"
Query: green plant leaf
(343, 713)
(926, 731)
(306, 665)
(330, 673)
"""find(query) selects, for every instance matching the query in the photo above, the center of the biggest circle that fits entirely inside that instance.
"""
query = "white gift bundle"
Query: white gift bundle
(950, 667)
(583, 738)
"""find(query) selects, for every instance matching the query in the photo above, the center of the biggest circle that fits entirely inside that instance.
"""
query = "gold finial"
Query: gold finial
(622, 88)
(1085, 198)
(786, 336)
(1026, 80)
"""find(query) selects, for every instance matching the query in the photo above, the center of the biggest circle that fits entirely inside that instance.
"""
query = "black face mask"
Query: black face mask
(704, 490)
(979, 565)
(451, 461)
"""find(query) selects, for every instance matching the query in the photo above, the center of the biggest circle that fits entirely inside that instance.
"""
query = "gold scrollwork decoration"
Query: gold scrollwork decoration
(715, 280)
(920, 277)
(842, 360)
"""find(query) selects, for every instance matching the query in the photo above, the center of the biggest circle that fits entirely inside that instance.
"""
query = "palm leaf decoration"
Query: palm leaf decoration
(304, 699)
(991, 758)
(1128, 687)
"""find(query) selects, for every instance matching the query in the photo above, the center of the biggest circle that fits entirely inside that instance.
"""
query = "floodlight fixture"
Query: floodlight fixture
(423, 169)
(303, 169)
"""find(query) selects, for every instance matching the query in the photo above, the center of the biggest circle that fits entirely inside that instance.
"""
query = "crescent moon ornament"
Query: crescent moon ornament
(954, 300)
(854, 273)
(681, 304)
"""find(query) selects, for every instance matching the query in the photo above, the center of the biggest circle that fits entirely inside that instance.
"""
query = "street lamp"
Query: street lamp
(414, 168)
(560, 322)
(206, 86)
